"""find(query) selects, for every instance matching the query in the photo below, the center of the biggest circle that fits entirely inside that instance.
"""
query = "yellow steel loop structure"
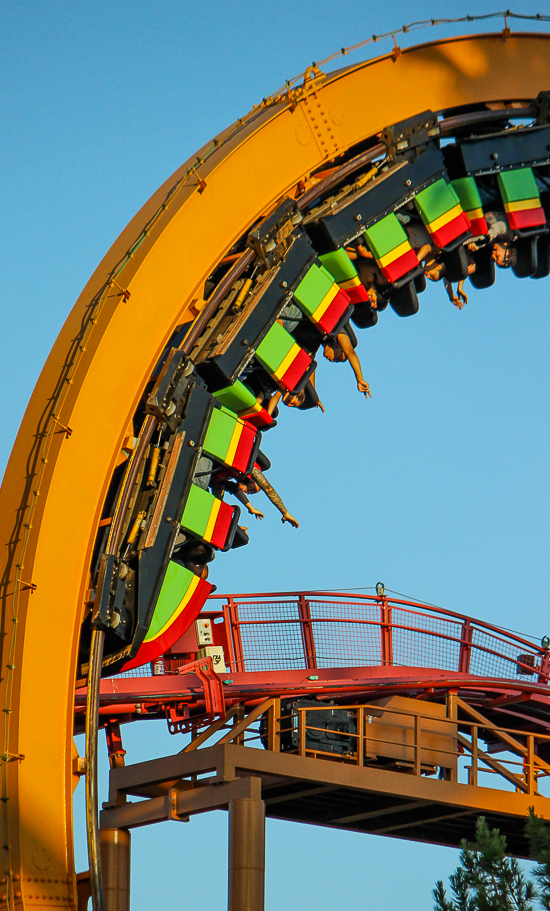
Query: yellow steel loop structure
(80, 415)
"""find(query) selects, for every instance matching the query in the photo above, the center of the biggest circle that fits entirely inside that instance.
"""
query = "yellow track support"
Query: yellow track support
(56, 481)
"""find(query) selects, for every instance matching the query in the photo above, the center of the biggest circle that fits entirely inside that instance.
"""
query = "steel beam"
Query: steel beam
(228, 760)
(336, 794)
(178, 804)
(295, 795)
(384, 811)
(441, 817)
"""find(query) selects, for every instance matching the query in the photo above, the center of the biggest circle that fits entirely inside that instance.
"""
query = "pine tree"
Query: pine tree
(538, 834)
(488, 880)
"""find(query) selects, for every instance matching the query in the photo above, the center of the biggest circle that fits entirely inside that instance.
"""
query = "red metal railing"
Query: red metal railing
(283, 631)
(286, 631)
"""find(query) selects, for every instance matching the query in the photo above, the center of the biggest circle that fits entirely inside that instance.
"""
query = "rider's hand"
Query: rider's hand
(288, 518)
(255, 512)
(364, 251)
(364, 388)
(372, 298)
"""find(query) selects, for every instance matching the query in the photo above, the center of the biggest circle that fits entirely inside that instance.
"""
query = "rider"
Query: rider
(242, 485)
(340, 348)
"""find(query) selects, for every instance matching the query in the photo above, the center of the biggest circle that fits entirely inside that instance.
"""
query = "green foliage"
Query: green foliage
(538, 834)
(488, 880)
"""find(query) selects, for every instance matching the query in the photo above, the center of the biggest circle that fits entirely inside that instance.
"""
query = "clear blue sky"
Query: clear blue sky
(439, 486)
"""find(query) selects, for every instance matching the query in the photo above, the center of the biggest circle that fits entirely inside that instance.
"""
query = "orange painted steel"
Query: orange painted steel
(79, 415)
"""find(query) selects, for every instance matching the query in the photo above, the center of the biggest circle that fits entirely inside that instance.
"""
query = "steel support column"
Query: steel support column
(246, 870)
(115, 857)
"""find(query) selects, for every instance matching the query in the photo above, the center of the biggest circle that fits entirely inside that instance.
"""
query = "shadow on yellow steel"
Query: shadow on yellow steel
(78, 416)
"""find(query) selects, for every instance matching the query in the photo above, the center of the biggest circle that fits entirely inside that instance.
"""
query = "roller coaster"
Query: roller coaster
(294, 228)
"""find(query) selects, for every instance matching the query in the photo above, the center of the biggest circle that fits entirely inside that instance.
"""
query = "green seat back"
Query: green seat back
(274, 348)
(385, 236)
(467, 192)
(517, 185)
(174, 588)
(339, 265)
(236, 397)
(313, 288)
(220, 433)
(435, 201)
(197, 510)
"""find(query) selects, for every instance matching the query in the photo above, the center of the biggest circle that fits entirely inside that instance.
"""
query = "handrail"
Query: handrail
(402, 633)
(532, 766)
(347, 597)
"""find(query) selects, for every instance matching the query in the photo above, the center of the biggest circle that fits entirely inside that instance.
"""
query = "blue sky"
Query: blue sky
(438, 486)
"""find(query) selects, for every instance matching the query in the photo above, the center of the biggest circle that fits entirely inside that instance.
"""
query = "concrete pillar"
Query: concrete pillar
(115, 859)
(246, 854)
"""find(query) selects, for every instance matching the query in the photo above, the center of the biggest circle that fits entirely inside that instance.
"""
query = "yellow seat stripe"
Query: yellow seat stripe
(254, 409)
(394, 254)
(181, 607)
(283, 367)
(325, 303)
(350, 283)
(234, 442)
(522, 205)
(444, 219)
(212, 520)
